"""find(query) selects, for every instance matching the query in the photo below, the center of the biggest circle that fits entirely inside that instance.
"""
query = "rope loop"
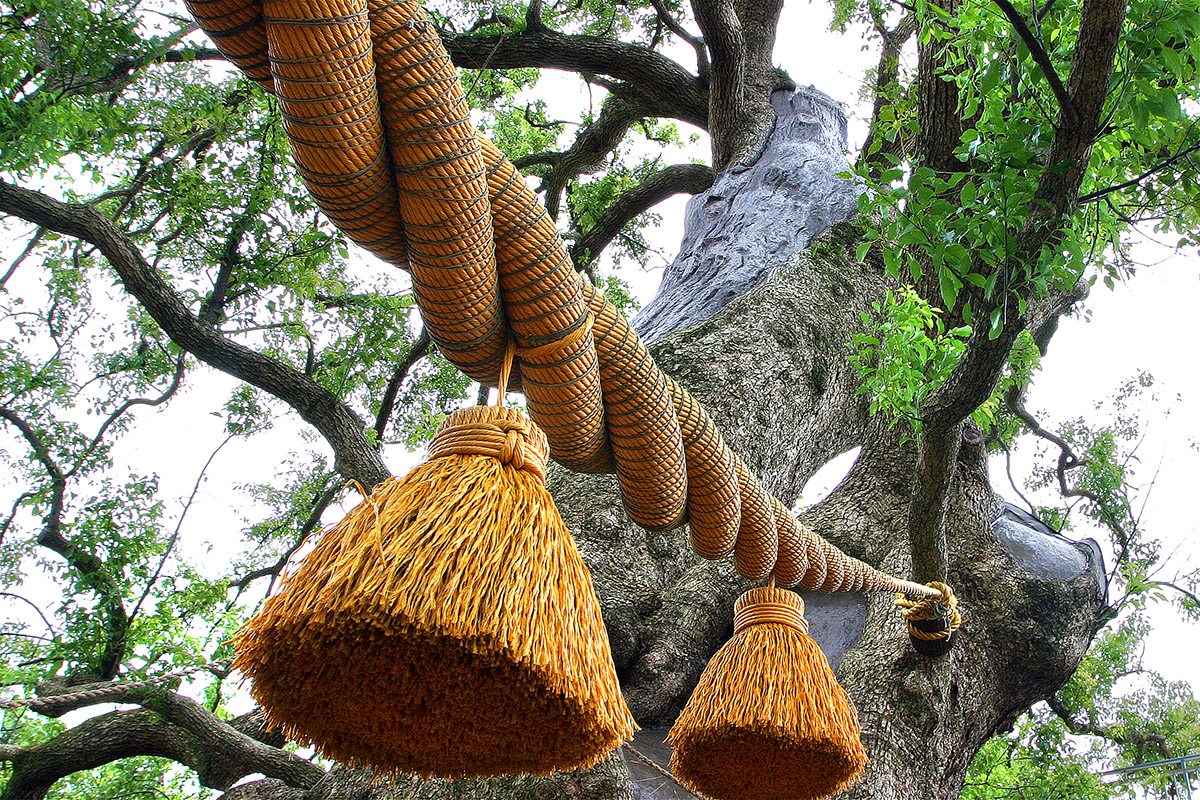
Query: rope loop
(944, 606)
(539, 352)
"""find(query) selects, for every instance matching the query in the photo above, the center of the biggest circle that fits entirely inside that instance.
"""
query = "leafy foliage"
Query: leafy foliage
(910, 352)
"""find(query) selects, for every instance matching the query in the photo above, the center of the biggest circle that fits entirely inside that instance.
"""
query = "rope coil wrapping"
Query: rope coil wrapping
(768, 604)
(602, 400)
(944, 606)
(501, 433)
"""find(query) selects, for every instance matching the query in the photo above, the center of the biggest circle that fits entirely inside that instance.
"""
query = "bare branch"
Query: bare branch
(685, 178)
(36, 609)
(419, 349)
(212, 312)
(1190, 595)
(120, 411)
(1182, 155)
(33, 242)
(356, 456)
(1080, 727)
(86, 563)
(314, 519)
(178, 526)
(675, 27)
(1068, 460)
(8, 521)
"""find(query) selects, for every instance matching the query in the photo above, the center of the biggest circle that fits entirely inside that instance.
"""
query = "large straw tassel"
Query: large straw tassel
(447, 626)
(768, 721)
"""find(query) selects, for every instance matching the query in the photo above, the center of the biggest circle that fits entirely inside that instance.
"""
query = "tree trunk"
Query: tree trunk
(754, 318)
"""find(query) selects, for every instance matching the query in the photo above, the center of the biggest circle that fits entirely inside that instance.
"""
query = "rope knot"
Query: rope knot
(513, 450)
(943, 608)
(502, 433)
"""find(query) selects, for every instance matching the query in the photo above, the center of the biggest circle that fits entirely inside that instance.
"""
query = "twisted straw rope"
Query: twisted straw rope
(599, 396)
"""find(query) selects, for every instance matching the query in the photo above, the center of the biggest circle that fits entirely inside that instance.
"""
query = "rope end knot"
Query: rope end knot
(932, 621)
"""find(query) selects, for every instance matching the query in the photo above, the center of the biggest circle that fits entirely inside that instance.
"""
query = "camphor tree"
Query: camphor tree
(897, 304)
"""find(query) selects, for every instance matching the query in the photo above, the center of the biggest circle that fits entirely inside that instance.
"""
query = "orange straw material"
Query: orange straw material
(447, 626)
(767, 720)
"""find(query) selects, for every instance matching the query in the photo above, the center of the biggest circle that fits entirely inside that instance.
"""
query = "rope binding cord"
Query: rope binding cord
(932, 622)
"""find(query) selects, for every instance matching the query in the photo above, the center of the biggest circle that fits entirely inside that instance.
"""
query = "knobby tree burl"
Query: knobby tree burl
(895, 304)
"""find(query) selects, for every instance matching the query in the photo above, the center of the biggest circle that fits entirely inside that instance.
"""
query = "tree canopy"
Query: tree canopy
(164, 258)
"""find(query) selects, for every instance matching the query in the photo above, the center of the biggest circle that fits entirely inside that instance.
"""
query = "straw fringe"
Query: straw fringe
(447, 626)
(767, 720)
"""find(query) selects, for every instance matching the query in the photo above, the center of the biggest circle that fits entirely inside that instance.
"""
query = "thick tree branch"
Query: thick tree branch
(685, 178)
(740, 38)
(545, 158)
(356, 458)
(664, 87)
(975, 377)
(886, 84)
(1091, 75)
(170, 726)
(938, 102)
(591, 147)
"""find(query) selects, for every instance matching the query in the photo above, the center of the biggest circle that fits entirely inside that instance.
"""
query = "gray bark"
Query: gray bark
(754, 319)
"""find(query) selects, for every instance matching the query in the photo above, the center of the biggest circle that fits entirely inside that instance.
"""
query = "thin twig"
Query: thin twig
(178, 527)
(34, 606)
(176, 380)
(37, 237)
(1181, 155)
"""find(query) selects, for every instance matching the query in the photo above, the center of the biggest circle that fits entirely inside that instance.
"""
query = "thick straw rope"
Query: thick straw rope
(369, 93)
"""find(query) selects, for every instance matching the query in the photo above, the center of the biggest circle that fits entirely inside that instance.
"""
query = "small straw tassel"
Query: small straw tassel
(768, 721)
(447, 626)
